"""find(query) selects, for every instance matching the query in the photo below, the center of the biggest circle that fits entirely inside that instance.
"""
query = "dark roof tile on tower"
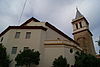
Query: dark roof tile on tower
(78, 14)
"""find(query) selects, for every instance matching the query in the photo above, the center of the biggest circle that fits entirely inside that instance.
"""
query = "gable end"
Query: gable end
(34, 19)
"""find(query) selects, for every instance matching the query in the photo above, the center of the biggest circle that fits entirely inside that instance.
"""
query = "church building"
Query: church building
(48, 40)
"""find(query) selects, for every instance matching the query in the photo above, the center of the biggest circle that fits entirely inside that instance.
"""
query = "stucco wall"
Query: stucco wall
(33, 23)
(36, 41)
(54, 51)
(20, 43)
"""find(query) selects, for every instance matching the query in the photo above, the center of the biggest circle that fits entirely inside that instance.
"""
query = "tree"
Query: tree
(27, 57)
(60, 62)
(86, 60)
(4, 59)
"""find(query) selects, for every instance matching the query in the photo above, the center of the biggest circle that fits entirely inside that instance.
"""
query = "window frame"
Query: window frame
(17, 35)
(76, 26)
(80, 25)
(14, 50)
(28, 35)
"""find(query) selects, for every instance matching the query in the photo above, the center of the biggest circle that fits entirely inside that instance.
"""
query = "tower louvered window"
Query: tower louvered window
(80, 25)
(76, 26)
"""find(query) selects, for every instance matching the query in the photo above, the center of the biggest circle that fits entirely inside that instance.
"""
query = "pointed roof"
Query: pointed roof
(29, 20)
(78, 14)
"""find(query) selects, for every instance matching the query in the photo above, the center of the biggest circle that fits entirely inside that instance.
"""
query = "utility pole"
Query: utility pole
(98, 44)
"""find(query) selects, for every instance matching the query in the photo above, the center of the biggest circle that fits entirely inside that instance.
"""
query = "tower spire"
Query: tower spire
(82, 34)
(78, 14)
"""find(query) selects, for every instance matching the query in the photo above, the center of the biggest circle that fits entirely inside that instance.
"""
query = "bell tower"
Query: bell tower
(82, 34)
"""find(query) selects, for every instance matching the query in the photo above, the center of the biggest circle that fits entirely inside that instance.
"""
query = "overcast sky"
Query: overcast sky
(57, 12)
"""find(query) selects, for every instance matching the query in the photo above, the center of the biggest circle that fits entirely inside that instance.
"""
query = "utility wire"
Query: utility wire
(30, 7)
(22, 10)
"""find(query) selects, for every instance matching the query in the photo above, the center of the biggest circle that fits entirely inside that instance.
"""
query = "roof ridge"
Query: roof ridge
(29, 20)
(60, 32)
(78, 14)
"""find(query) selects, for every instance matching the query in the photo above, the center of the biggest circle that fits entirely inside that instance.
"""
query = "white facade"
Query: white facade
(48, 40)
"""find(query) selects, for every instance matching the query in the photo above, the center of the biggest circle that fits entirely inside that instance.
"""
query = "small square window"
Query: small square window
(17, 35)
(14, 50)
(26, 48)
(28, 34)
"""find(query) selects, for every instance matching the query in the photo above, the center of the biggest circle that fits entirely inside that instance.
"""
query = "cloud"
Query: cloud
(57, 12)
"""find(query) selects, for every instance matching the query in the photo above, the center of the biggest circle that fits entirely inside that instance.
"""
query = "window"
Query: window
(26, 48)
(17, 35)
(1, 39)
(76, 26)
(77, 52)
(14, 50)
(80, 25)
(28, 34)
(71, 50)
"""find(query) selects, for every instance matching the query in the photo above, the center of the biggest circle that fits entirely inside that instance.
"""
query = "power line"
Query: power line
(22, 10)
(31, 7)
